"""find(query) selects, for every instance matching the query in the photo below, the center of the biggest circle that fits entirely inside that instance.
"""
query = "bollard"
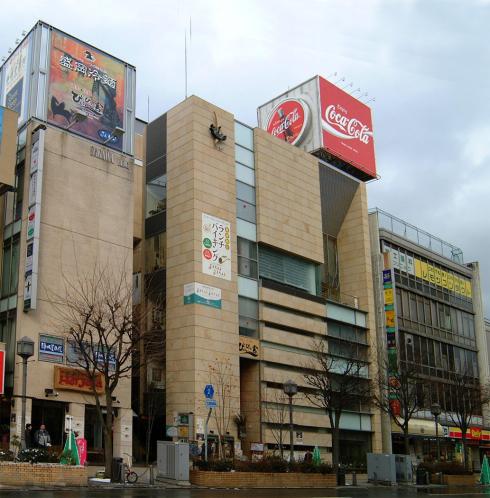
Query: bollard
(354, 478)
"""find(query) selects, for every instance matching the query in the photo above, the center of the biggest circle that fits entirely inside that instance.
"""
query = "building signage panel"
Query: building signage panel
(33, 225)
(289, 120)
(196, 293)
(347, 128)
(249, 347)
(51, 348)
(74, 379)
(85, 81)
(15, 84)
(216, 247)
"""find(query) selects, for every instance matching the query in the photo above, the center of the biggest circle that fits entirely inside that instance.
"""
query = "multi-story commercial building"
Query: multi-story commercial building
(69, 208)
(437, 328)
(256, 243)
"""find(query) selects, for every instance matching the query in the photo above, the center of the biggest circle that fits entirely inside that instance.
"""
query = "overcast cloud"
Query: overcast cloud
(426, 63)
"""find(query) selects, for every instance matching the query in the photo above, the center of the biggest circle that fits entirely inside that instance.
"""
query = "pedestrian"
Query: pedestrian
(28, 436)
(308, 456)
(42, 437)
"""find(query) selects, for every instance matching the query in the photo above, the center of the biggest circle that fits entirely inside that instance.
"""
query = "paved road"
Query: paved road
(372, 492)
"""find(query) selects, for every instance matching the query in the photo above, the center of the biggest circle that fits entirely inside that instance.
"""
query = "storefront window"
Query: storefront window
(156, 195)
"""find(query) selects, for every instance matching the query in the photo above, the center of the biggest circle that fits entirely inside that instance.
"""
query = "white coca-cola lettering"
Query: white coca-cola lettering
(353, 128)
(286, 123)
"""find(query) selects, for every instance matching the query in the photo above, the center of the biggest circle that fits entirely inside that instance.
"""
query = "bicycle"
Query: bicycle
(130, 476)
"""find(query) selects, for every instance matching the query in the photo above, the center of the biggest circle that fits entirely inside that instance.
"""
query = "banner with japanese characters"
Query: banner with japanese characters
(216, 247)
(86, 90)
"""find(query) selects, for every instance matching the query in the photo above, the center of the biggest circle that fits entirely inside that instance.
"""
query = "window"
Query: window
(244, 156)
(248, 316)
(245, 211)
(244, 136)
(244, 174)
(10, 267)
(247, 258)
(156, 195)
(287, 269)
(156, 374)
(245, 192)
(155, 249)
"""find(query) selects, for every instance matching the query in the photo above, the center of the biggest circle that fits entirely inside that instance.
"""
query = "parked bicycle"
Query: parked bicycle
(130, 476)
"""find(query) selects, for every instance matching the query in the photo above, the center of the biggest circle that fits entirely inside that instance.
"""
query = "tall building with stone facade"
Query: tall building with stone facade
(254, 246)
(69, 208)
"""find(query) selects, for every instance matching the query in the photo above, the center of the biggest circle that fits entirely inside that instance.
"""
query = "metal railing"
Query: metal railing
(333, 294)
(410, 232)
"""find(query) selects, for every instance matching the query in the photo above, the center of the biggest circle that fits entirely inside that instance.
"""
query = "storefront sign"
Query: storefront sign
(84, 81)
(289, 120)
(249, 347)
(51, 348)
(74, 379)
(33, 225)
(472, 434)
(216, 247)
(108, 156)
(196, 293)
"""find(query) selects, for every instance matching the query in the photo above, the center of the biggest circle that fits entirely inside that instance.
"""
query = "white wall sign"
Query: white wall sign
(216, 247)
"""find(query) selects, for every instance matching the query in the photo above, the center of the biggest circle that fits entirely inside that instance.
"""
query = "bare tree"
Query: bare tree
(399, 395)
(95, 313)
(467, 398)
(220, 373)
(155, 401)
(277, 418)
(336, 384)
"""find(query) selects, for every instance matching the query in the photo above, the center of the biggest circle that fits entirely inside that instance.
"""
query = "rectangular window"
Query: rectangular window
(244, 156)
(247, 258)
(244, 136)
(248, 316)
(245, 211)
(156, 195)
(10, 268)
(244, 174)
(245, 192)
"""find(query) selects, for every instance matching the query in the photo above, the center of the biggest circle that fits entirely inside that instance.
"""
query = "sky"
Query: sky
(425, 62)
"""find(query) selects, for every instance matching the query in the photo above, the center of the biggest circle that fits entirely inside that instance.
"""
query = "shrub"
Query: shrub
(36, 455)
(215, 465)
(6, 456)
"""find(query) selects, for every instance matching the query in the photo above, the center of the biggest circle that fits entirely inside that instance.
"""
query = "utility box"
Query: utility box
(404, 468)
(381, 467)
(173, 460)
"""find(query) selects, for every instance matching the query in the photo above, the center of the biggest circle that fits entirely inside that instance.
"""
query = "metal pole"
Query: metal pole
(206, 436)
(437, 441)
(23, 419)
(291, 448)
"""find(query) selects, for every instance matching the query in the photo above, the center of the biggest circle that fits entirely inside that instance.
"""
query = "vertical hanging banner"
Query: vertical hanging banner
(216, 247)
(34, 220)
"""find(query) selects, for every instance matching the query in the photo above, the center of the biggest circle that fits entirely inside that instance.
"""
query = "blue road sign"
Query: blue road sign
(211, 403)
(209, 391)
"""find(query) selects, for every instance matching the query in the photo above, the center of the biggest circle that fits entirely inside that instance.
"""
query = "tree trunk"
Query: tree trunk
(406, 441)
(108, 443)
(463, 436)
(335, 447)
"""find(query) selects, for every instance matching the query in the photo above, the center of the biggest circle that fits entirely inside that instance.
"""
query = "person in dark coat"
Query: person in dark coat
(28, 436)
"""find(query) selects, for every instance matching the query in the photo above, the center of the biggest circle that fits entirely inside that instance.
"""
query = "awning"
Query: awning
(419, 427)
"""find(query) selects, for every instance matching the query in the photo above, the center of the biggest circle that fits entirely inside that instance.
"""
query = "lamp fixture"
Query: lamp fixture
(78, 117)
(117, 132)
(51, 393)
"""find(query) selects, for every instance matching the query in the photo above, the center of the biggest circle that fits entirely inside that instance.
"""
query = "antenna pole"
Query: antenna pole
(185, 61)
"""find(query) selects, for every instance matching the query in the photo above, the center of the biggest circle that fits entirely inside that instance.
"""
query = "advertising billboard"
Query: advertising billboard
(15, 87)
(347, 129)
(216, 247)
(326, 121)
(86, 90)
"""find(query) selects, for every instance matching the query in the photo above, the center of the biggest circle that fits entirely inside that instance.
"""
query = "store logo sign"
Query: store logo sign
(289, 120)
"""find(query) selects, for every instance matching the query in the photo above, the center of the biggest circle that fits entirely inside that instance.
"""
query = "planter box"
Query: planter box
(42, 474)
(261, 479)
(454, 480)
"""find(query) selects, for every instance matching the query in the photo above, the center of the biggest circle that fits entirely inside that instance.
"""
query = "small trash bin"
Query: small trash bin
(341, 476)
(422, 476)
(117, 470)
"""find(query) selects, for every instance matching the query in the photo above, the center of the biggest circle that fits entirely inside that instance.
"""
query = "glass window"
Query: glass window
(245, 211)
(245, 192)
(247, 267)
(10, 268)
(156, 195)
(155, 248)
(405, 311)
(413, 307)
(244, 174)
(247, 258)
(19, 194)
(248, 311)
(244, 136)
(246, 229)
(244, 156)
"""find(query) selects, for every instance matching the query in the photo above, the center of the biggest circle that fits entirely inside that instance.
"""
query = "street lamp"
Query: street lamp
(290, 388)
(25, 349)
(435, 409)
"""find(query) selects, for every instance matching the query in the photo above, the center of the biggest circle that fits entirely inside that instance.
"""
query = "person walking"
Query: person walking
(28, 436)
(42, 437)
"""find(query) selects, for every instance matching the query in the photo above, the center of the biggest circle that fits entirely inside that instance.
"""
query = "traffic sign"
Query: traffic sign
(211, 403)
(209, 391)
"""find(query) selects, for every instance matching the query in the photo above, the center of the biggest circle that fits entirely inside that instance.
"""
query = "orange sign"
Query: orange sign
(474, 433)
(74, 379)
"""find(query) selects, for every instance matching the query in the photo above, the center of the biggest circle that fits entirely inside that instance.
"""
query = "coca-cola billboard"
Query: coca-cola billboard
(347, 130)
(322, 119)
(289, 120)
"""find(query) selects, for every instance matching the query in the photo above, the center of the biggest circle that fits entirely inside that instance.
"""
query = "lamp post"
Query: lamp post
(435, 409)
(290, 388)
(25, 349)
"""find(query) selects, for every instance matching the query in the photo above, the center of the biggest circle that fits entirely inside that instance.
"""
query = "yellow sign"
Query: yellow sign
(249, 347)
(390, 318)
(389, 296)
(442, 278)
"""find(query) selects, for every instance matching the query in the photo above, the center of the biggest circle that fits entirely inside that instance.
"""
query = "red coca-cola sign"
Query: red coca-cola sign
(289, 120)
(347, 129)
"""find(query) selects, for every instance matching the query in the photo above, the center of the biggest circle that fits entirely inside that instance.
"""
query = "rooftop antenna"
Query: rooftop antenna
(185, 50)
(373, 99)
(333, 74)
(349, 85)
(341, 80)
(148, 111)
(356, 90)
(365, 94)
